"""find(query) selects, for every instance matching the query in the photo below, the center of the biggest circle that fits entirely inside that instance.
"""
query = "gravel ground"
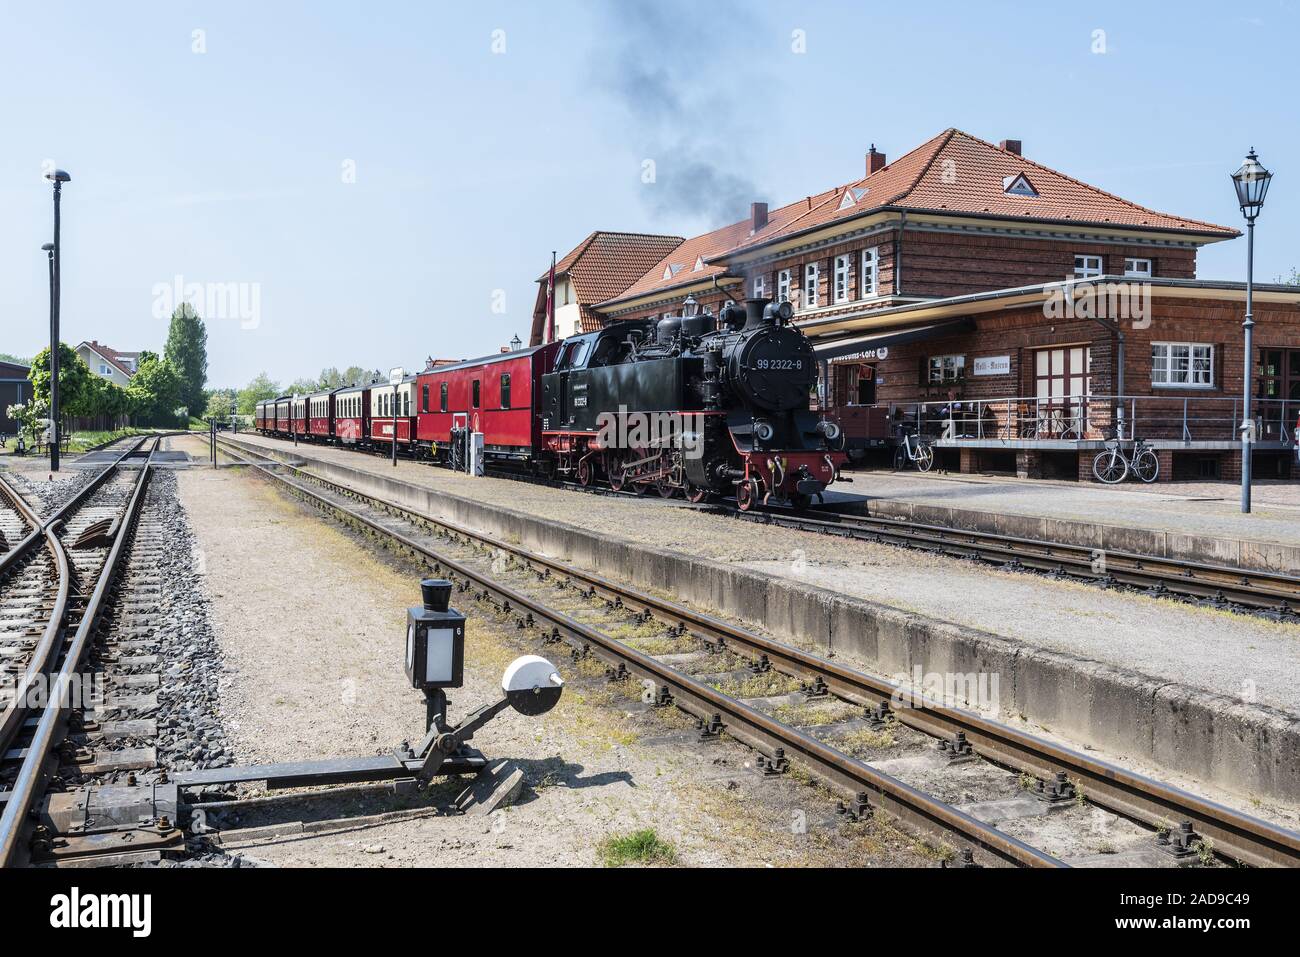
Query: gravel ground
(311, 622)
(1202, 647)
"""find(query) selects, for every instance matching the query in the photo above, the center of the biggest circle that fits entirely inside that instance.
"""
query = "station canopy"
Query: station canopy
(852, 345)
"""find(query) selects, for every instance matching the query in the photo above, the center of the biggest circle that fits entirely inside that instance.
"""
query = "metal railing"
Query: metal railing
(1094, 417)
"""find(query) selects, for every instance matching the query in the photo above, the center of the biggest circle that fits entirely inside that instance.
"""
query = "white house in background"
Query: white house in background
(116, 367)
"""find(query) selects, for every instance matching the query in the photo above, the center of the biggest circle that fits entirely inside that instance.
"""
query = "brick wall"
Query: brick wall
(935, 265)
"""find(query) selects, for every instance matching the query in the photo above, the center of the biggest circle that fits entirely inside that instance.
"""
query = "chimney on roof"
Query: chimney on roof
(757, 216)
(1011, 146)
(875, 160)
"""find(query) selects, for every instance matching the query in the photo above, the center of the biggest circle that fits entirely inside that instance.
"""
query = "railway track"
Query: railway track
(938, 768)
(1271, 593)
(65, 718)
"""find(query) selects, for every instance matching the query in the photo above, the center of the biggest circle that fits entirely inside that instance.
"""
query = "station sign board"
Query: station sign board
(993, 365)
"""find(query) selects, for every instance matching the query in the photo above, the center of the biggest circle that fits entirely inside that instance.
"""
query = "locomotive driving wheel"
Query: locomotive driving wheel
(665, 488)
(747, 493)
(614, 469)
(697, 494)
(584, 471)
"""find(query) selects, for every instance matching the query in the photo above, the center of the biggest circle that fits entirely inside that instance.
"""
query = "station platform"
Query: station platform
(1199, 521)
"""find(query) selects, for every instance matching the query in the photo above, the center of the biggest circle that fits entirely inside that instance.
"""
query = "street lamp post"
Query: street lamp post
(1251, 182)
(515, 343)
(58, 177)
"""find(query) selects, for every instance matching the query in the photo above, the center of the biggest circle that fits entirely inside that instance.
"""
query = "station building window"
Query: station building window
(947, 368)
(1086, 267)
(867, 276)
(760, 287)
(1182, 365)
(811, 275)
(1138, 268)
(841, 279)
(783, 286)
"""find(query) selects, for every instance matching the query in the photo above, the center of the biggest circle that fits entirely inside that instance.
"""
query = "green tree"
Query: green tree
(355, 375)
(331, 378)
(155, 390)
(10, 357)
(221, 402)
(262, 387)
(187, 353)
(1291, 280)
(303, 386)
(77, 389)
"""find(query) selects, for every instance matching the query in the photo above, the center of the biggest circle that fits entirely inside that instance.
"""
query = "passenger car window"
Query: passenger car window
(505, 390)
(443, 398)
(476, 393)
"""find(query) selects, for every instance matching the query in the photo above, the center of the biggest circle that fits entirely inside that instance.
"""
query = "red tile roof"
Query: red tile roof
(952, 173)
(113, 357)
(958, 173)
(602, 266)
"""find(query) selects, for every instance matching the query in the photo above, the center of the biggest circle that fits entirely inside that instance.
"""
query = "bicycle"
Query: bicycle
(1112, 466)
(921, 455)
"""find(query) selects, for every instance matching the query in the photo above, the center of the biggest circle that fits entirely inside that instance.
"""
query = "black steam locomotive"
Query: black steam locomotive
(695, 404)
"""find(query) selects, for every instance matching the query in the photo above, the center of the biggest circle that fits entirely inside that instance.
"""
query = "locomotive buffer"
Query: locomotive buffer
(435, 656)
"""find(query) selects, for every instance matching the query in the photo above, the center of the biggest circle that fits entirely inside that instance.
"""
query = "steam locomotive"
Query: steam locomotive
(694, 404)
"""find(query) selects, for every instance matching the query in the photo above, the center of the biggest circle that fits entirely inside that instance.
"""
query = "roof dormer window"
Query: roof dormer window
(699, 264)
(1018, 185)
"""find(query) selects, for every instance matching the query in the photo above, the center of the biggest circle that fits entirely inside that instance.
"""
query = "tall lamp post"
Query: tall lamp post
(1251, 182)
(58, 177)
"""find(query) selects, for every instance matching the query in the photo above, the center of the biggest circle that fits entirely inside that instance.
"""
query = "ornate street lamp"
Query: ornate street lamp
(515, 343)
(1251, 181)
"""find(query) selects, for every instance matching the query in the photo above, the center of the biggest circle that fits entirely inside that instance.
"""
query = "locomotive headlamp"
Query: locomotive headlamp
(829, 430)
(435, 639)
(763, 429)
(781, 311)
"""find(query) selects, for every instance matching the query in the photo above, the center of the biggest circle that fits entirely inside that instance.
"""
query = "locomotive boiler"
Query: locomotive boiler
(694, 404)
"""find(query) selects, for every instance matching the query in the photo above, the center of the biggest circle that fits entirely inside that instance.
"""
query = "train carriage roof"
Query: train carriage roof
(487, 360)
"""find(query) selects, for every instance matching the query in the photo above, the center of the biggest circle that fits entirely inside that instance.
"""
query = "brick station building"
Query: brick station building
(985, 299)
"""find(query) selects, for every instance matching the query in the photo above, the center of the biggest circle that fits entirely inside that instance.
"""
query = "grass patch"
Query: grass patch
(643, 847)
(765, 684)
(814, 715)
(867, 740)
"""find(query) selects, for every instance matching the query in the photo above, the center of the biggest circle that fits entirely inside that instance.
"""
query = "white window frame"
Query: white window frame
(760, 287)
(869, 271)
(1163, 370)
(1086, 271)
(103, 368)
(811, 283)
(1133, 268)
(841, 278)
(949, 368)
(783, 286)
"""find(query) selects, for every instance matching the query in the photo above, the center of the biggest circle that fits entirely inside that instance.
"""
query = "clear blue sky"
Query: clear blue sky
(471, 165)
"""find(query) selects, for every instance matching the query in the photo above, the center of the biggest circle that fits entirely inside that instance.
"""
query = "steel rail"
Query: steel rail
(34, 773)
(45, 653)
(1261, 590)
(709, 705)
(1238, 836)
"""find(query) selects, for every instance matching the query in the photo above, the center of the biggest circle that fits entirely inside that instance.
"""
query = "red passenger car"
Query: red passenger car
(498, 395)
(352, 415)
(282, 414)
(392, 409)
(298, 416)
(320, 416)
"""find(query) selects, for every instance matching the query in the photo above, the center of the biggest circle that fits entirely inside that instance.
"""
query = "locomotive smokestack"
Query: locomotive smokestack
(754, 317)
